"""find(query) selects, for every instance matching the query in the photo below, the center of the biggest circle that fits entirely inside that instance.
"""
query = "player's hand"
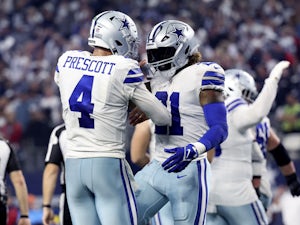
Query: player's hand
(293, 184)
(181, 157)
(136, 116)
(278, 69)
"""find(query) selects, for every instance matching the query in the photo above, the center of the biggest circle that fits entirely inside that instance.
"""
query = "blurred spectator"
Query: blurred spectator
(289, 114)
(11, 130)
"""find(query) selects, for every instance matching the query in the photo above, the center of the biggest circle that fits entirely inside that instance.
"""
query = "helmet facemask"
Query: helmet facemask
(169, 46)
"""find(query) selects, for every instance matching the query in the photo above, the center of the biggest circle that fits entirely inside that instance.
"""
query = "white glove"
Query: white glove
(278, 69)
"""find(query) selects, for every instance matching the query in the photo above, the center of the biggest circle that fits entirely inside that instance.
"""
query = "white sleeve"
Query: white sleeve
(151, 106)
(250, 115)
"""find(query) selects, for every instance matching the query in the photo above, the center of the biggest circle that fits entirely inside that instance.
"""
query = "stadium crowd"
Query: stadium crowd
(251, 35)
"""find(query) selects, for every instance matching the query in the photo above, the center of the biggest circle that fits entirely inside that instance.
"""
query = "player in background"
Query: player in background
(232, 196)
(55, 164)
(270, 143)
(10, 166)
(95, 90)
(192, 92)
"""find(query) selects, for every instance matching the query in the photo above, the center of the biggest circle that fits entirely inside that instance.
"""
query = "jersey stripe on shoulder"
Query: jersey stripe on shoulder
(213, 77)
(232, 105)
(134, 76)
(213, 80)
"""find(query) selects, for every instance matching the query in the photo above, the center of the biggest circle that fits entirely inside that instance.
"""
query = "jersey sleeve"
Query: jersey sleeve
(54, 153)
(13, 163)
(213, 76)
(132, 77)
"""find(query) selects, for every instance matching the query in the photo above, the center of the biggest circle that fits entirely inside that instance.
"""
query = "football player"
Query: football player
(193, 93)
(233, 199)
(95, 89)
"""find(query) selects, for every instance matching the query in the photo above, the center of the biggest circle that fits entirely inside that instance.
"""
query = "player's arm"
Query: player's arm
(140, 143)
(250, 115)
(151, 106)
(211, 99)
(284, 162)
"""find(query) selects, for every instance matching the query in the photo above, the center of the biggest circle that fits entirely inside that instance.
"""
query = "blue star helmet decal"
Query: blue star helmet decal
(237, 75)
(125, 23)
(178, 32)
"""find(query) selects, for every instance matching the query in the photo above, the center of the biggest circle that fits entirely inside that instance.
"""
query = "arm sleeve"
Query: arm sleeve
(250, 115)
(151, 106)
(215, 116)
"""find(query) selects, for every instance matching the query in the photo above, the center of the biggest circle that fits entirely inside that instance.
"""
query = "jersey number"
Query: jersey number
(175, 128)
(80, 101)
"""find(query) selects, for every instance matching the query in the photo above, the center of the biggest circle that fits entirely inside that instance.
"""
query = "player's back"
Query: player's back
(181, 96)
(95, 91)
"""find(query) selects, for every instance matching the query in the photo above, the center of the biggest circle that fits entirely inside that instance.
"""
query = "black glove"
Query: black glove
(294, 184)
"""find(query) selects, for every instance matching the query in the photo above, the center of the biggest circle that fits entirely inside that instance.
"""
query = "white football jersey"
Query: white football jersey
(231, 182)
(181, 96)
(95, 91)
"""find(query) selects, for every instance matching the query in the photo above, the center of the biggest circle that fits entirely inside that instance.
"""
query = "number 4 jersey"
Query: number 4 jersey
(181, 96)
(95, 91)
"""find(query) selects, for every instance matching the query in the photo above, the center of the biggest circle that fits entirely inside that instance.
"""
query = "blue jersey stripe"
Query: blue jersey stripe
(135, 71)
(214, 74)
(56, 69)
(133, 79)
(212, 82)
(233, 106)
(240, 100)
(129, 192)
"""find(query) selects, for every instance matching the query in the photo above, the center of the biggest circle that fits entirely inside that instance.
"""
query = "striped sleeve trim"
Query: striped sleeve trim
(213, 80)
(134, 76)
(232, 105)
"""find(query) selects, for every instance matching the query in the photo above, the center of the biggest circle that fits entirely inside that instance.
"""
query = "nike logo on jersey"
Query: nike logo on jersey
(180, 176)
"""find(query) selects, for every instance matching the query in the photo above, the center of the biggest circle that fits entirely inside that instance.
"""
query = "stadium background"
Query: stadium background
(252, 35)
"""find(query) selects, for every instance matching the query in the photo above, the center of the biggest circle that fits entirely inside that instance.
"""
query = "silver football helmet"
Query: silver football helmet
(239, 83)
(169, 45)
(115, 31)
